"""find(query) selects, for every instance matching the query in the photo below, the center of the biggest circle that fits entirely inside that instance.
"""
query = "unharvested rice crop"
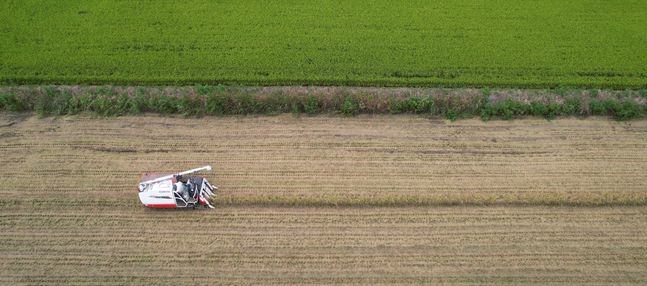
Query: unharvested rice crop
(358, 42)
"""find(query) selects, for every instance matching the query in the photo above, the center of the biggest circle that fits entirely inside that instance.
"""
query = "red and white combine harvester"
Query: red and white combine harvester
(176, 191)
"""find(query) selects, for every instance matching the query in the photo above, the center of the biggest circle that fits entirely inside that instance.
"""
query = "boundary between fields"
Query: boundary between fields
(348, 101)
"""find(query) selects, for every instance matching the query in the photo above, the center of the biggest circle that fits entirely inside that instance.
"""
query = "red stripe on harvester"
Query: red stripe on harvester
(161, 206)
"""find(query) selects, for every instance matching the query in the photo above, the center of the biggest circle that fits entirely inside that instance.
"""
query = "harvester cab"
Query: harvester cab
(176, 190)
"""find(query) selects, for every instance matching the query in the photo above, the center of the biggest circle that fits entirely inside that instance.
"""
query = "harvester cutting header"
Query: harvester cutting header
(176, 191)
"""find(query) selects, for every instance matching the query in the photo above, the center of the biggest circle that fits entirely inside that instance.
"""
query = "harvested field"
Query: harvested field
(315, 161)
(69, 213)
(116, 245)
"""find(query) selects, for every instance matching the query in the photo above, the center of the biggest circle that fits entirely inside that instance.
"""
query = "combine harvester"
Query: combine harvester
(176, 191)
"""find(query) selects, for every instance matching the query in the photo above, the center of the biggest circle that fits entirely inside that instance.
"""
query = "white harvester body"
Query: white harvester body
(177, 190)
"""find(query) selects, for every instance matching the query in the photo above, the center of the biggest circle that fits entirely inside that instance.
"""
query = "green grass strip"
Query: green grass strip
(226, 101)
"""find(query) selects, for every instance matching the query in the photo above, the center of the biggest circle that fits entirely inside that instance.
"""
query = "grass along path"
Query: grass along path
(221, 100)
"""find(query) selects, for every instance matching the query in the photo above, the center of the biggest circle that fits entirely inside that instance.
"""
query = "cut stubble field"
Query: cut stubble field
(327, 160)
(124, 245)
(70, 215)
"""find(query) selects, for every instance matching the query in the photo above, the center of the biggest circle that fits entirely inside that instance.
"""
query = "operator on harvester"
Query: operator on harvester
(186, 190)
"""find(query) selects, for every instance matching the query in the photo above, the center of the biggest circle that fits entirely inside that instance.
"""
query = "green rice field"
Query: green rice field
(515, 43)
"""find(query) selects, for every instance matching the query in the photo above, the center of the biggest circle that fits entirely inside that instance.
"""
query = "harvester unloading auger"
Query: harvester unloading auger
(177, 190)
